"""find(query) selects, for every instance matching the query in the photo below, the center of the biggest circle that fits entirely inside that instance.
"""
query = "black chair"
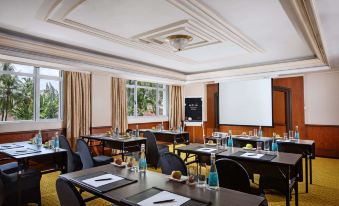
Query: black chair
(28, 186)
(67, 193)
(154, 150)
(73, 159)
(9, 167)
(234, 175)
(86, 158)
(171, 162)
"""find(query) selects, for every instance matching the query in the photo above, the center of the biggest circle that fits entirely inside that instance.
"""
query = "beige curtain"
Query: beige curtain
(119, 104)
(176, 105)
(77, 101)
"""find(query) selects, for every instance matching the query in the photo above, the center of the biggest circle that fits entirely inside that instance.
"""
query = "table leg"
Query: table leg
(306, 173)
(296, 193)
(103, 147)
(288, 192)
(122, 152)
(174, 143)
(310, 169)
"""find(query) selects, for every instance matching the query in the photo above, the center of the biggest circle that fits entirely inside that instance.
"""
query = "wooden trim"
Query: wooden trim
(321, 125)
(32, 131)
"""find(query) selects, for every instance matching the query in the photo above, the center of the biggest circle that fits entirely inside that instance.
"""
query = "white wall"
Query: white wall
(198, 90)
(321, 92)
(101, 100)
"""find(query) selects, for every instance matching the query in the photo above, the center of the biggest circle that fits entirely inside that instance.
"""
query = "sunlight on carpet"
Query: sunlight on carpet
(323, 191)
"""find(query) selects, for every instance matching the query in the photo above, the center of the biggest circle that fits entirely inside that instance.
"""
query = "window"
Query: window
(146, 99)
(29, 93)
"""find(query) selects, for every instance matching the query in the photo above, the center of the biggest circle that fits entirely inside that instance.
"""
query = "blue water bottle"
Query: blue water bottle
(142, 160)
(230, 140)
(213, 179)
(274, 145)
(296, 133)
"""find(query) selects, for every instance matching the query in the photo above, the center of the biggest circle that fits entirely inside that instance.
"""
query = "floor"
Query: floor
(323, 191)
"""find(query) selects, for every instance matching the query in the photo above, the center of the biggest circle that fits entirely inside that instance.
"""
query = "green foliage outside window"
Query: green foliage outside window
(149, 99)
(17, 97)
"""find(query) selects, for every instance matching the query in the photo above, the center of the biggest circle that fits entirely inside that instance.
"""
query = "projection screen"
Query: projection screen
(246, 102)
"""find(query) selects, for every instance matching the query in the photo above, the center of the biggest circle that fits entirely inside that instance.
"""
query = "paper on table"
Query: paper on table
(92, 182)
(164, 195)
(252, 155)
(206, 149)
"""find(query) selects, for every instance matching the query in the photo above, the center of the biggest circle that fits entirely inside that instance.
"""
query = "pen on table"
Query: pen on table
(103, 179)
(163, 201)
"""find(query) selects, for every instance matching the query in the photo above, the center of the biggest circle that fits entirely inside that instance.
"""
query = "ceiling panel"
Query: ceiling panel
(227, 34)
(126, 18)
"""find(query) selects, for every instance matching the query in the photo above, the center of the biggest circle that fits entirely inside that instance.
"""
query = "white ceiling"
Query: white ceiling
(227, 34)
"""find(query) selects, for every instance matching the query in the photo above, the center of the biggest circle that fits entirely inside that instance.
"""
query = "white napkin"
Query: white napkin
(92, 182)
(252, 155)
(206, 149)
(164, 195)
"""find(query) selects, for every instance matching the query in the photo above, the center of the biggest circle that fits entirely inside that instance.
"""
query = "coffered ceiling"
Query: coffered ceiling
(230, 37)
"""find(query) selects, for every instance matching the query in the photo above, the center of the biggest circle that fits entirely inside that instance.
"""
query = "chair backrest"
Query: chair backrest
(152, 152)
(85, 154)
(232, 175)
(64, 144)
(68, 194)
(171, 162)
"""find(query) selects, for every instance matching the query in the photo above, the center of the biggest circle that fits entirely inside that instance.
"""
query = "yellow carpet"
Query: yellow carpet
(323, 191)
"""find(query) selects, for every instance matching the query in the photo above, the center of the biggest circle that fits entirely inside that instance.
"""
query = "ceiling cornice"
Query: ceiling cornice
(21, 45)
(33, 47)
(303, 15)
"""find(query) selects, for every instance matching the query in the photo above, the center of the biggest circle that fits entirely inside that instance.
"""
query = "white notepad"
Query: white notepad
(92, 182)
(252, 155)
(206, 149)
(164, 195)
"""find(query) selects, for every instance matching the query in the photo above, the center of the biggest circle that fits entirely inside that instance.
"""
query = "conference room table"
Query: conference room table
(151, 179)
(174, 137)
(302, 146)
(119, 142)
(24, 151)
(242, 140)
(288, 164)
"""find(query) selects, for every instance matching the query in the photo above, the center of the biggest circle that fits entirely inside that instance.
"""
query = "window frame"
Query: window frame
(36, 77)
(135, 88)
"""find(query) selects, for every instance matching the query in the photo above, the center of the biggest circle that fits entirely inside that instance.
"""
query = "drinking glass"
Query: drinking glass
(255, 132)
(192, 174)
(266, 145)
(135, 158)
(290, 134)
(259, 146)
(285, 136)
(218, 142)
(250, 133)
(202, 175)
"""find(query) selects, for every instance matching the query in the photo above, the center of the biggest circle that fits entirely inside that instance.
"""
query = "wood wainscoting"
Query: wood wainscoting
(47, 134)
(326, 137)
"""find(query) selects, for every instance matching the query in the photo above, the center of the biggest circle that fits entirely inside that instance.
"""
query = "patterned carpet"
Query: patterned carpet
(323, 191)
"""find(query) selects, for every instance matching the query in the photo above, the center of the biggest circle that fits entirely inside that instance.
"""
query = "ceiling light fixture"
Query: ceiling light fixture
(179, 41)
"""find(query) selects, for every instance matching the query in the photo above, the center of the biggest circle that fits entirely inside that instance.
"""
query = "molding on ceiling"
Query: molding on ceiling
(203, 14)
(70, 55)
(205, 23)
(261, 70)
(20, 45)
(303, 15)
